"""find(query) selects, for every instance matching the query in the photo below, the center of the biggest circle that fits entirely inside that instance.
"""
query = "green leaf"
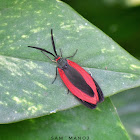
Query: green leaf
(27, 90)
(26, 75)
(77, 122)
(128, 108)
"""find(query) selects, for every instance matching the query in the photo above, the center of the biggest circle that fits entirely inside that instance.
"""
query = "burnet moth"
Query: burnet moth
(77, 80)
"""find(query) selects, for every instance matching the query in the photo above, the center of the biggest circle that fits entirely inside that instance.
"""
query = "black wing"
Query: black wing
(89, 105)
(100, 93)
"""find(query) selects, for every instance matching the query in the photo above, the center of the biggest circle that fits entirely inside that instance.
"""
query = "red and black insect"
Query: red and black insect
(77, 80)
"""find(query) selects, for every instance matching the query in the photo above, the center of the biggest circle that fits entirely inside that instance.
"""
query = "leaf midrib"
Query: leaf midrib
(82, 66)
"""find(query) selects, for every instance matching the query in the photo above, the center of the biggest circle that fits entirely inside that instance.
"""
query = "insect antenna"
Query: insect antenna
(53, 41)
(42, 50)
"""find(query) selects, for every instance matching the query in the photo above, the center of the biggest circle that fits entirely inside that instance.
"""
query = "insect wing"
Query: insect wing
(78, 87)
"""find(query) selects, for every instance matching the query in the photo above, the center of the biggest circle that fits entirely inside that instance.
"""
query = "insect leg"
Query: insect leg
(48, 56)
(73, 54)
(55, 76)
(68, 91)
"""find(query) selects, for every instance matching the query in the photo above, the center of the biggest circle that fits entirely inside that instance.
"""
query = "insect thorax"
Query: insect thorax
(62, 63)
